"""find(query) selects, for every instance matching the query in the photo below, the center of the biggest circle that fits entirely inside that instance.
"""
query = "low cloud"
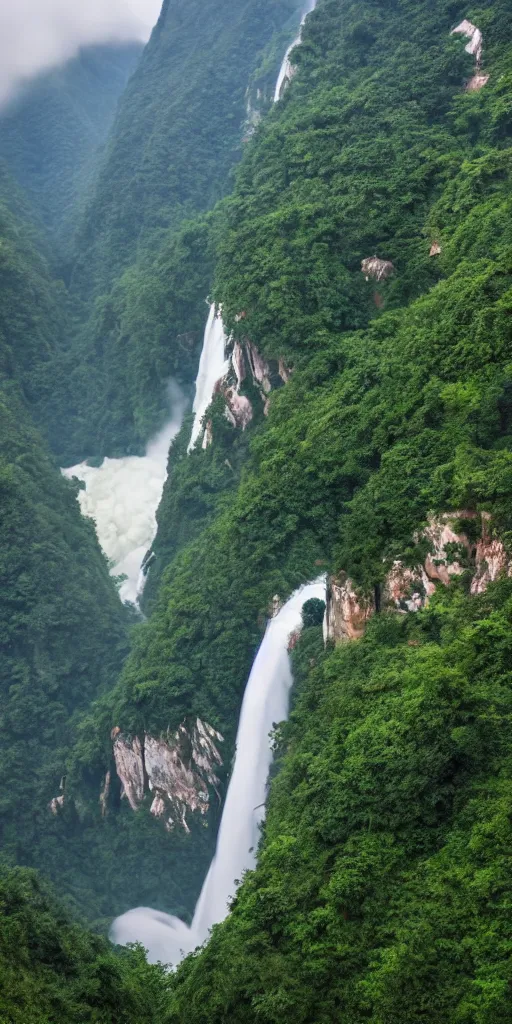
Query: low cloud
(39, 34)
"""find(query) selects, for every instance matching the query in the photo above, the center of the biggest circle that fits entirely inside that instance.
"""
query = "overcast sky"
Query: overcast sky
(38, 34)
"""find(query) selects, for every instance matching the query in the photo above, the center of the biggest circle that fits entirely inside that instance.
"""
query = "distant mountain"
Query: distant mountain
(51, 132)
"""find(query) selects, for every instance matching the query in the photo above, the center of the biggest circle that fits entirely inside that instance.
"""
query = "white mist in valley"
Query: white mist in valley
(213, 366)
(122, 497)
(166, 938)
(285, 71)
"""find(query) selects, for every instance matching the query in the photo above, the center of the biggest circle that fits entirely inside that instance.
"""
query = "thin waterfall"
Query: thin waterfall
(213, 366)
(265, 702)
(286, 71)
(122, 497)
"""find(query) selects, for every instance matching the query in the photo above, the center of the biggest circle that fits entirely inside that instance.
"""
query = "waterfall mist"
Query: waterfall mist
(166, 938)
(122, 497)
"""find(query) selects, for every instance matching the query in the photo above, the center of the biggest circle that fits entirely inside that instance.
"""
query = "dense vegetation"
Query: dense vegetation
(179, 130)
(381, 892)
(52, 970)
(383, 886)
(52, 131)
(399, 405)
(377, 426)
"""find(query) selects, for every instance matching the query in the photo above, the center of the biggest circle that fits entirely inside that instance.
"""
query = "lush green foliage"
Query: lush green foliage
(378, 426)
(178, 132)
(52, 970)
(52, 131)
(383, 888)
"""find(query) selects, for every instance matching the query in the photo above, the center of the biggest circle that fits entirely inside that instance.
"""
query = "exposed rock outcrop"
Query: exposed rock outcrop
(377, 269)
(129, 767)
(238, 408)
(435, 249)
(57, 803)
(179, 769)
(474, 46)
(450, 550)
(285, 371)
(408, 589)
(259, 367)
(347, 611)
(466, 28)
(491, 559)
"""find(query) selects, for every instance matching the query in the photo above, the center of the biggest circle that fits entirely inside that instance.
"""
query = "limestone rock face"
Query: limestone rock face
(441, 563)
(471, 32)
(347, 612)
(466, 28)
(407, 589)
(129, 767)
(238, 408)
(377, 269)
(491, 559)
(476, 82)
(238, 361)
(435, 249)
(285, 371)
(259, 367)
(57, 803)
(179, 769)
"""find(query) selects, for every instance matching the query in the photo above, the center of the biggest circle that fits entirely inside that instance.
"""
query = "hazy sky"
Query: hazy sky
(38, 34)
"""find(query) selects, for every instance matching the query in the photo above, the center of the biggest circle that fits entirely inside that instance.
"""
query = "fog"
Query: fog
(39, 34)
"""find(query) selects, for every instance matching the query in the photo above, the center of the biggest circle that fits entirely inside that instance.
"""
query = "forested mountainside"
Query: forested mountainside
(361, 255)
(51, 134)
(63, 629)
(140, 275)
(52, 970)
(397, 409)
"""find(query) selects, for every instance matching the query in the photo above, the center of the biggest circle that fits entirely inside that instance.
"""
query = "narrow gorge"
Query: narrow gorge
(255, 524)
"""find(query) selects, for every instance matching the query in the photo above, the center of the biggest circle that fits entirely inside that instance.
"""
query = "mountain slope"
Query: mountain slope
(52, 132)
(398, 408)
(178, 133)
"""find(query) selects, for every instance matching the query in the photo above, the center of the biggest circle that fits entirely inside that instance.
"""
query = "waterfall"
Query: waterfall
(286, 71)
(265, 702)
(122, 496)
(213, 366)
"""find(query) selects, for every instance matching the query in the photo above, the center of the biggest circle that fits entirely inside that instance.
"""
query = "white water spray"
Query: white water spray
(122, 496)
(286, 69)
(213, 366)
(265, 702)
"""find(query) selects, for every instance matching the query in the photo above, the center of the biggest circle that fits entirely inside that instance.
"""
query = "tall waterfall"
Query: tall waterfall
(285, 71)
(122, 496)
(212, 367)
(265, 702)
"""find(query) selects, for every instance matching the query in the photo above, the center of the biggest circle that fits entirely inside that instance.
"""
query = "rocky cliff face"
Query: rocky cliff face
(246, 364)
(347, 611)
(179, 769)
(408, 589)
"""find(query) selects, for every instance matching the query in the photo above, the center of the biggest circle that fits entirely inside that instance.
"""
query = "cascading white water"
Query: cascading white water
(265, 702)
(285, 71)
(213, 365)
(122, 496)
